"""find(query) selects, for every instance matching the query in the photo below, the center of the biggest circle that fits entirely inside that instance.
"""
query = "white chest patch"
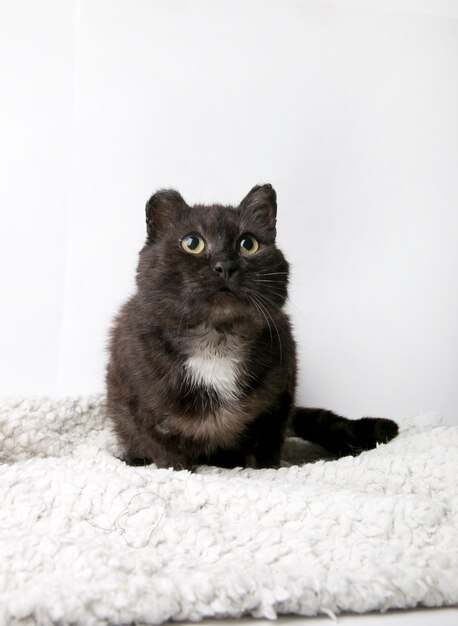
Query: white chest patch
(215, 361)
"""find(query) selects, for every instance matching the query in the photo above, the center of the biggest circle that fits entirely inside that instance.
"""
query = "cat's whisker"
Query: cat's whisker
(282, 274)
(260, 308)
(252, 300)
(266, 300)
(265, 296)
(181, 321)
(270, 286)
(268, 315)
(268, 282)
(264, 308)
(275, 293)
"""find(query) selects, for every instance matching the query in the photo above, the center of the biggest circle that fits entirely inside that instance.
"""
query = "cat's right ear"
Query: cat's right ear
(162, 209)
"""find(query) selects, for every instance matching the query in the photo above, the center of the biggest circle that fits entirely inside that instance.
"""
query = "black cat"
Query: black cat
(202, 359)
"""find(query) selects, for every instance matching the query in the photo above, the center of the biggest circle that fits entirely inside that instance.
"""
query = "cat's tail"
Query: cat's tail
(340, 435)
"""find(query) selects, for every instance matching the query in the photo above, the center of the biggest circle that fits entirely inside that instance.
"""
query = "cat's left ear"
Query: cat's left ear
(162, 209)
(261, 204)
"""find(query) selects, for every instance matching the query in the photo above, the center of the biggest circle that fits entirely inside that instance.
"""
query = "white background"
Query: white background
(350, 109)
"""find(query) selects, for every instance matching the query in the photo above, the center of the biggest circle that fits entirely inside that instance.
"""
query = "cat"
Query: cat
(202, 366)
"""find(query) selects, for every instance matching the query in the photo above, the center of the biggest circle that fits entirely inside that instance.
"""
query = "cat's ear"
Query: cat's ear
(162, 209)
(261, 204)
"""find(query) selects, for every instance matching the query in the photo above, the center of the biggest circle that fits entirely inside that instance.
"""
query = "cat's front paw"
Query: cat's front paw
(370, 431)
(135, 461)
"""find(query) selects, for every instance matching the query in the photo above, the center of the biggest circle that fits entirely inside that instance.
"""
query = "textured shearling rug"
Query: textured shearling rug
(86, 540)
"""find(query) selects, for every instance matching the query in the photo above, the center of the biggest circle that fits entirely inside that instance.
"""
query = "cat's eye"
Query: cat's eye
(194, 244)
(248, 245)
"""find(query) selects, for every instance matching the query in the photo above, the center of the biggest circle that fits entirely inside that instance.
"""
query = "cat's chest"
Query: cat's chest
(215, 362)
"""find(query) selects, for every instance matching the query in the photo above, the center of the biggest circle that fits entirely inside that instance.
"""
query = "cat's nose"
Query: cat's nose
(225, 269)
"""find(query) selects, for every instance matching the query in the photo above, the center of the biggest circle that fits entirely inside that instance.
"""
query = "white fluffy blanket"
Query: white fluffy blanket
(86, 540)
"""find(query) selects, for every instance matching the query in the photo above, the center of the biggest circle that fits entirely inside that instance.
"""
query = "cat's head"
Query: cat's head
(213, 264)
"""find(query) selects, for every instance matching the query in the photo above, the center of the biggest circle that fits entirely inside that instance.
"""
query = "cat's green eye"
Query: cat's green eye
(248, 245)
(194, 244)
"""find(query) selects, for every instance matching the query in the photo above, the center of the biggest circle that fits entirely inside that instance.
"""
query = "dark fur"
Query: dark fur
(159, 415)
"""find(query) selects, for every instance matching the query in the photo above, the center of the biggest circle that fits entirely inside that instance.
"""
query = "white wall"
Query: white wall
(37, 76)
(348, 108)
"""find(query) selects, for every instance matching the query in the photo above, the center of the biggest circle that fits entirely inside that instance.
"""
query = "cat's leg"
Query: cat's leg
(339, 434)
(267, 434)
(143, 444)
(145, 447)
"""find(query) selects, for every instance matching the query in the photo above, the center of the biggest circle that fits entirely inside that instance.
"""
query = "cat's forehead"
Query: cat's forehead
(214, 219)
